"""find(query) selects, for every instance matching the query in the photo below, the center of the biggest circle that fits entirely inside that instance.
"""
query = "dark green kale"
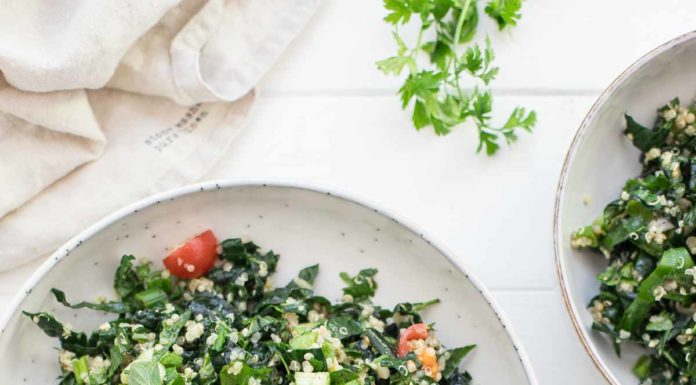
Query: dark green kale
(647, 292)
(231, 327)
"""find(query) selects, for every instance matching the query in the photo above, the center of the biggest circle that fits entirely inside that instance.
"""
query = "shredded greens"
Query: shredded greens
(232, 327)
(648, 290)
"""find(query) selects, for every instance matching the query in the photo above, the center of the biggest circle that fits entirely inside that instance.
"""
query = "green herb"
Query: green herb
(231, 327)
(647, 292)
(455, 358)
(151, 297)
(437, 90)
(144, 373)
(109, 307)
(361, 286)
(504, 12)
(81, 368)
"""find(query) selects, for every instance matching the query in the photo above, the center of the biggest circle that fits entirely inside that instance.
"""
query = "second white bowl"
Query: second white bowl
(598, 164)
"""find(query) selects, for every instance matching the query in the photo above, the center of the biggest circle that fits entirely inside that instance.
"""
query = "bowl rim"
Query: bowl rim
(580, 330)
(64, 251)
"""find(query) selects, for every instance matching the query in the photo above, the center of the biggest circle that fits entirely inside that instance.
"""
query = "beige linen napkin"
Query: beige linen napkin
(105, 102)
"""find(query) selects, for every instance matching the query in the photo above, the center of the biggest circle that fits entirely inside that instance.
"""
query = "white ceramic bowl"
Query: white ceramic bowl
(304, 225)
(599, 162)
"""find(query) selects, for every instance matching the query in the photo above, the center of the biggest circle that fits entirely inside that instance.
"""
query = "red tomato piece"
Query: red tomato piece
(193, 258)
(414, 332)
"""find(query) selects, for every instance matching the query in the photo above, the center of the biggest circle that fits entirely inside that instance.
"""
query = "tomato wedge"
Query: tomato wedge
(193, 258)
(414, 332)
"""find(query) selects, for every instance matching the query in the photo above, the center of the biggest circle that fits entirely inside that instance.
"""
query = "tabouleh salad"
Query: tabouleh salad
(214, 317)
(647, 293)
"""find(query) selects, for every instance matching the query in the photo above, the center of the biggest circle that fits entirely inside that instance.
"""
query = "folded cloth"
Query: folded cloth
(103, 102)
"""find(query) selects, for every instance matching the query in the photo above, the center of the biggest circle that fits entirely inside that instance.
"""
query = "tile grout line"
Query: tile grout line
(271, 93)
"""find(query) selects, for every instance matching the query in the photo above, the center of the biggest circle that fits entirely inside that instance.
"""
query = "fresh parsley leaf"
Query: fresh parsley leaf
(395, 64)
(422, 84)
(421, 118)
(488, 140)
(437, 91)
(504, 12)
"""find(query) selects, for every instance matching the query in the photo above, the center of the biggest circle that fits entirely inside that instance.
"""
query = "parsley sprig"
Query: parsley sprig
(437, 89)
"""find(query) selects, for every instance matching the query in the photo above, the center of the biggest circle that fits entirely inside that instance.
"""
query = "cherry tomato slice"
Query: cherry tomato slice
(193, 258)
(414, 332)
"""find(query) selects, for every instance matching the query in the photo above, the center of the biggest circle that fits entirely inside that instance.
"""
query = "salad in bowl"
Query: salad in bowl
(213, 316)
(647, 291)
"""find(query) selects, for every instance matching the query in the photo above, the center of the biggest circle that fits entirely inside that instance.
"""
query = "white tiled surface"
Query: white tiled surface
(326, 115)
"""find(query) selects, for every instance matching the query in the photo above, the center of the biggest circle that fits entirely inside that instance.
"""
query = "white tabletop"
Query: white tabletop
(326, 115)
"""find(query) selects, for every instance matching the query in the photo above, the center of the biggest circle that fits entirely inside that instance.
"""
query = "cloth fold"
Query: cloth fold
(103, 102)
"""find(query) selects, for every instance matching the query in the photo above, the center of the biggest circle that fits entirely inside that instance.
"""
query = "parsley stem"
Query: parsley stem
(460, 22)
(416, 49)
(418, 42)
(457, 35)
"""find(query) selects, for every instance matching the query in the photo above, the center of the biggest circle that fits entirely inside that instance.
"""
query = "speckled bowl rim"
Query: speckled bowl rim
(64, 251)
(608, 93)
